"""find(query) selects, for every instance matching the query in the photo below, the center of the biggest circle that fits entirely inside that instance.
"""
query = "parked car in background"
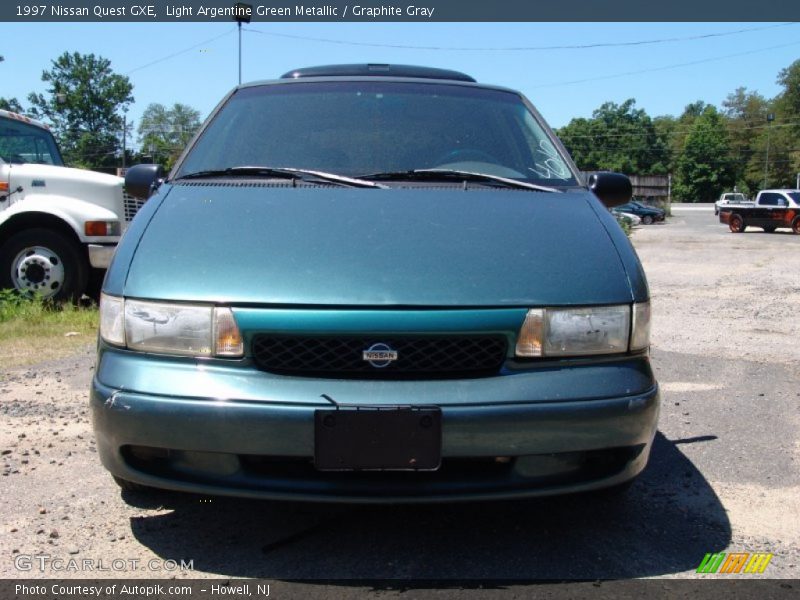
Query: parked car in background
(731, 199)
(648, 214)
(631, 219)
(375, 283)
(772, 209)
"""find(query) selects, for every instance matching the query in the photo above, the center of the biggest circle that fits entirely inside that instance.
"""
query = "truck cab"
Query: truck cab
(772, 209)
(55, 222)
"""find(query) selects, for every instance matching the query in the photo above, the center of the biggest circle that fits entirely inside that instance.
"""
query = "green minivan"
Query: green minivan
(374, 283)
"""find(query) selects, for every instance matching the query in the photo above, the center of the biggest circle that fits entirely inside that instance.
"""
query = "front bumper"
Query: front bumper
(218, 429)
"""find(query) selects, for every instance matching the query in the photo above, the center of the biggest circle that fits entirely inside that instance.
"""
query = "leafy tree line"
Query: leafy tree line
(708, 150)
(86, 104)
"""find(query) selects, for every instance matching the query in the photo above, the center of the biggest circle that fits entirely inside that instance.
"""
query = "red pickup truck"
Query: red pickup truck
(772, 209)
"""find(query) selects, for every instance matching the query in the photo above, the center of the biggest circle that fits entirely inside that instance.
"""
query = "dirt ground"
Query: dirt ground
(724, 476)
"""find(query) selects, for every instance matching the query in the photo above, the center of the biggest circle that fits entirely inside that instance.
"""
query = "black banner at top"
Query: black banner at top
(397, 10)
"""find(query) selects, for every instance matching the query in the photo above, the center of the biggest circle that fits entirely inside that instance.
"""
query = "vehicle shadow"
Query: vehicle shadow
(664, 524)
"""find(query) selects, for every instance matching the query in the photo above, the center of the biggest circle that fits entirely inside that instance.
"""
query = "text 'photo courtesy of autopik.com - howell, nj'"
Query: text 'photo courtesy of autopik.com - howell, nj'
(442, 298)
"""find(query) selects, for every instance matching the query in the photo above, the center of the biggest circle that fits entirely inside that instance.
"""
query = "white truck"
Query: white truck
(772, 209)
(55, 222)
(731, 199)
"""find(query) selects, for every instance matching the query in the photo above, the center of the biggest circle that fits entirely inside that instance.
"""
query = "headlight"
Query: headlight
(166, 328)
(584, 331)
(593, 330)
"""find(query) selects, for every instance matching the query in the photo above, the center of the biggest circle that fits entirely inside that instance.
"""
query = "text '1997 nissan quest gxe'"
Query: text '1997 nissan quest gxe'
(374, 283)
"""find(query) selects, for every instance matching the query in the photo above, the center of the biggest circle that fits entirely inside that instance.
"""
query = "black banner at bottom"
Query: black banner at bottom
(257, 589)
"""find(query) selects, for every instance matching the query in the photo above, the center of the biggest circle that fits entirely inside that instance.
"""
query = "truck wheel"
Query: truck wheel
(736, 224)
(45, 262)
(647, 220)
(769, 229)
(796, 225)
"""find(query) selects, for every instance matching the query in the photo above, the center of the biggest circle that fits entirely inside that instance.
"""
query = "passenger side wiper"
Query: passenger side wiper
(283, 173)
(452, 174)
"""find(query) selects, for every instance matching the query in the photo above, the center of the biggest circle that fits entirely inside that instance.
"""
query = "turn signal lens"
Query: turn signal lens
(227, 338)
(101, 228)
(112, 321)
(529, 340)
(640, 338)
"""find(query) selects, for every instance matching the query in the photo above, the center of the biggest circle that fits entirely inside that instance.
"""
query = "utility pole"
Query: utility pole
(241, 14)
(770, 119)
(669, 189)
(124, 136)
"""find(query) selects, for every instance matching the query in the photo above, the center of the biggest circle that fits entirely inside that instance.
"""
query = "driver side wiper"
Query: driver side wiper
(282, 173)
(453, 174)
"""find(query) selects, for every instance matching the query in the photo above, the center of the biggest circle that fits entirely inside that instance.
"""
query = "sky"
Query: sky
(197, 63)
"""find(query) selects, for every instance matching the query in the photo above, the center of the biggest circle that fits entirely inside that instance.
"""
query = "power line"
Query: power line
(516, 48)
(184, 51)
(664, 68)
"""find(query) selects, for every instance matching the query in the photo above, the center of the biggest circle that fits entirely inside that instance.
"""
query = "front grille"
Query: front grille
(420, 357)
(132, 206)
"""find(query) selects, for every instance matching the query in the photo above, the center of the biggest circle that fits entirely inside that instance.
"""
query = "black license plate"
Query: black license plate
(380, 439)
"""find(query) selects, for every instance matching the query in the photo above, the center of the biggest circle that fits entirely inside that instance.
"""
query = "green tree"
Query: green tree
(82, 104)
(788, 101)
(681, 127)
(746, 115)
(164, 133)
(618, 137)
(667, 128)
(783, 133)
(704, 168)
(11, 104)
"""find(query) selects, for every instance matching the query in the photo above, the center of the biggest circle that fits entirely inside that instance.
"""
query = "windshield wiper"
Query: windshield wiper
(453, 174)
(283, 173)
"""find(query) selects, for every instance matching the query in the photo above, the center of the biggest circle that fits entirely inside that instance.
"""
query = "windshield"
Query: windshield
(358, 128)
(24, 143)
(794, 196)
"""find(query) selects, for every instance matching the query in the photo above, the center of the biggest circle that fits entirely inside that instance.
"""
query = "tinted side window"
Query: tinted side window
(769, 199)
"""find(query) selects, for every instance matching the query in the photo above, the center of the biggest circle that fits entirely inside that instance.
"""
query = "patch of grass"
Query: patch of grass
(33, 330)
(624, 223)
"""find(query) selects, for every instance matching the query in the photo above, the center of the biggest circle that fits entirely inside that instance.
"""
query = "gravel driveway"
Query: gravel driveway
(724, 474)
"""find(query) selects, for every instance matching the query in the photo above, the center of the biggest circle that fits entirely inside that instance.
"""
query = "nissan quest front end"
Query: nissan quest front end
(374, 283)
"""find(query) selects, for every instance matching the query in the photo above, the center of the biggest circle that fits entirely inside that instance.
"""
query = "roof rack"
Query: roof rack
(377, 70)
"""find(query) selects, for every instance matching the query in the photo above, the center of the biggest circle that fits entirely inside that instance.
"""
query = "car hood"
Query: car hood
(432, 247)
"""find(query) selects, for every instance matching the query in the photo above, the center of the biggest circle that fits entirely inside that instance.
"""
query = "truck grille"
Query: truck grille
(132, 206)
(418, 356)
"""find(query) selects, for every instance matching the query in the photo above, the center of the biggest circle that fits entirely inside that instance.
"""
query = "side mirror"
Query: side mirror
(612, 189)
(142, 180)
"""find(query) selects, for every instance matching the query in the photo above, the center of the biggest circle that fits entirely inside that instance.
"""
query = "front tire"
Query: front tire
(736, 224)
(796, 225)
(45, 262)
(647, 220)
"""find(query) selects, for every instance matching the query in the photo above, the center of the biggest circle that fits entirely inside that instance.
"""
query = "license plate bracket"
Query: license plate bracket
(397, 438)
